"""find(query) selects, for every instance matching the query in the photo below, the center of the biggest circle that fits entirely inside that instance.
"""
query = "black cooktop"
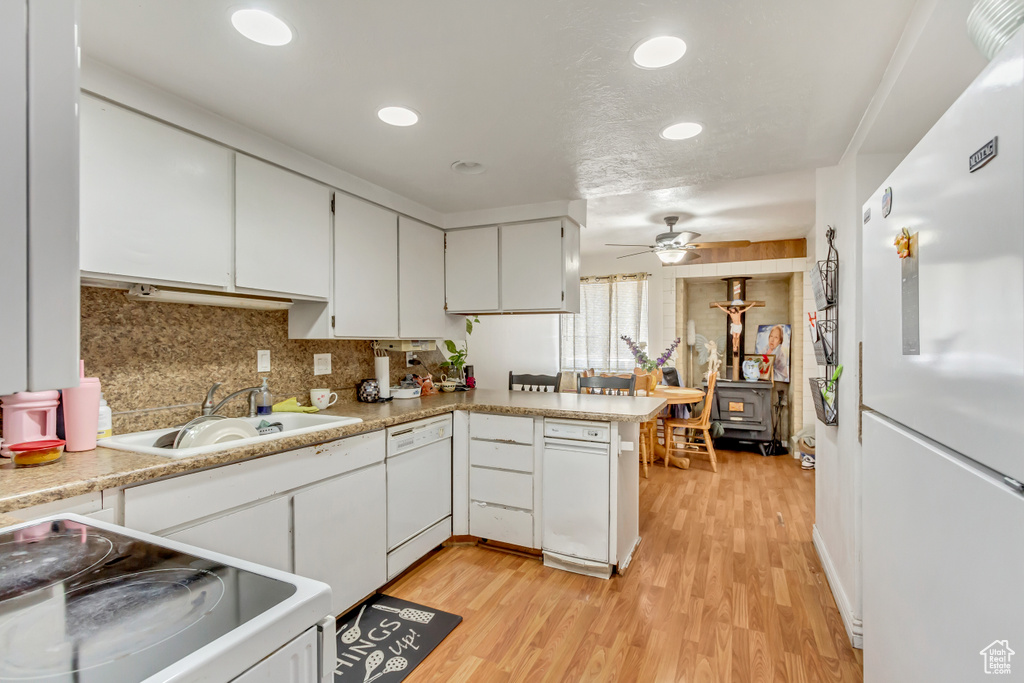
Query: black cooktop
(83, 604)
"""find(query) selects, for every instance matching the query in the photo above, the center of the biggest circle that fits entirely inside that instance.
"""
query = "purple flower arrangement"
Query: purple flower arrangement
(643, 360)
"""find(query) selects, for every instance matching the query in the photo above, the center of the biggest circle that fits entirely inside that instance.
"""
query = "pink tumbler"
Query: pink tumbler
(81, 412)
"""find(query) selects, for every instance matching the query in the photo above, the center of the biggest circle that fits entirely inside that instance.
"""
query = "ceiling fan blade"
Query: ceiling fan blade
(649, 246)
(636, 254)
(734, 244)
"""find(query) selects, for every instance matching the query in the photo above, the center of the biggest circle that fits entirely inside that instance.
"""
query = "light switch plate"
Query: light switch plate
(263, 361)
(321, 363)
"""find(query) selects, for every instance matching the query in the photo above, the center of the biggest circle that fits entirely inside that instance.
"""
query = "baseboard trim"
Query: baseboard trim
(854, 625)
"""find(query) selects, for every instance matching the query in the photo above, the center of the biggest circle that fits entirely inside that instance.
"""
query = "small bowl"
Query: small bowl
(447, 384)
(35, 453)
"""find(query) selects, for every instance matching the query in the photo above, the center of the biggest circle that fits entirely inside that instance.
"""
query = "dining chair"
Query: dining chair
(645, 382)
(696, 436)
(544, 383)
(620, 386)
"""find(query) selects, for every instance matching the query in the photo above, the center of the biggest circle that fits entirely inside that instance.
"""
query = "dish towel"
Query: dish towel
(291, 405)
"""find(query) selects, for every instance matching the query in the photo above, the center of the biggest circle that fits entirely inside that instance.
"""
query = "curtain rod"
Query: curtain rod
(621, 277)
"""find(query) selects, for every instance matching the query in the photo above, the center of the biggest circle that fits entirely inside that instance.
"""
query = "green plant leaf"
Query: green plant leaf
(450, 345)
(469, 326)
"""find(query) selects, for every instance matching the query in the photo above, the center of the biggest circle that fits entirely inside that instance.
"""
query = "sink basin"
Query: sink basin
(295, 424)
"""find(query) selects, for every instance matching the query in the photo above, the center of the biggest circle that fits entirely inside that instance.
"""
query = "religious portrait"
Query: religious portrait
(774, 340)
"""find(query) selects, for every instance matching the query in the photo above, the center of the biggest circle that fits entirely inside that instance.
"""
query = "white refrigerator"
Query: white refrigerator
(943, 387)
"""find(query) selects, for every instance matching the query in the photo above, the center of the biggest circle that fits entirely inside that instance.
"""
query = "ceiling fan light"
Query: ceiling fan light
(671, 256)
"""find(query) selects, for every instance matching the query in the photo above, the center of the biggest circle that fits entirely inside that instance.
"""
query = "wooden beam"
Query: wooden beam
(757, 251)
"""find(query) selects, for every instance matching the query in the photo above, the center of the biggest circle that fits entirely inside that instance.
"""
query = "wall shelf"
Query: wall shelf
(825, 284)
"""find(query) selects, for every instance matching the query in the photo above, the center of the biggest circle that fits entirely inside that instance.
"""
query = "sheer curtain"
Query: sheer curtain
(609, 308)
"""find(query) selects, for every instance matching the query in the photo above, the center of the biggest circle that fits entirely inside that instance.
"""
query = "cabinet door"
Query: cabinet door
(282, 230)
(156, 203)
(341, 534)
(296, 662)
(471, 270)
(420, 280)
(53, 212)
(531, 266)
(365, 270)
(13, 194)
(260, 534)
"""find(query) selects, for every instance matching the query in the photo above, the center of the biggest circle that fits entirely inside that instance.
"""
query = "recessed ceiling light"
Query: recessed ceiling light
(468, 167)
(655, 53)
(261, 27)
(681, 131)
(398, 116)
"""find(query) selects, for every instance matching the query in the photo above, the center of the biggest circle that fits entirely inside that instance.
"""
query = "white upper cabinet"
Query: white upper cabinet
(156, 203)
(365, 270)
(531, 266)
(471, 270)
(39, 294)
(420, 280)
(282, 231)
(539, 268)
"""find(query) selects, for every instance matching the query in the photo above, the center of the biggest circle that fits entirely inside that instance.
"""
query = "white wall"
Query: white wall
(513, 343)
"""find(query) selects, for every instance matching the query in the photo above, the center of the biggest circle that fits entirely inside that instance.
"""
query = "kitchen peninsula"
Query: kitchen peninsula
(496, 475)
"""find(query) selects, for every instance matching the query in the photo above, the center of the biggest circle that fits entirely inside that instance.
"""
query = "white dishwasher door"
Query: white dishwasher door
(576, 499)
(419, 490)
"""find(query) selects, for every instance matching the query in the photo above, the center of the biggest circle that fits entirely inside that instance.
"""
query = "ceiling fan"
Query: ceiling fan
(674, 247)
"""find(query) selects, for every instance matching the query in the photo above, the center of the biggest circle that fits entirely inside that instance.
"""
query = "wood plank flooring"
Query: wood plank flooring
(725, 586)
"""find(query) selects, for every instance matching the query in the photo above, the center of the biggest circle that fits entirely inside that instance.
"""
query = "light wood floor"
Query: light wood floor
(725, 586)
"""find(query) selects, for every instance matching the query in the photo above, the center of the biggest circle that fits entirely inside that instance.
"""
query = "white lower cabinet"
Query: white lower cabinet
(260, 534)
(341, 534)
(498, 523)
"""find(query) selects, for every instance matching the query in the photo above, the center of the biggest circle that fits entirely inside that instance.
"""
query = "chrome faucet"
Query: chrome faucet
(210, 409)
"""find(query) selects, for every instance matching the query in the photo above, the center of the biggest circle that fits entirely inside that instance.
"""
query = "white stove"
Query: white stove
(85, 601)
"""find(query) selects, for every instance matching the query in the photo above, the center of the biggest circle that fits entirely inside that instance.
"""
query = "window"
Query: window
(609, 308)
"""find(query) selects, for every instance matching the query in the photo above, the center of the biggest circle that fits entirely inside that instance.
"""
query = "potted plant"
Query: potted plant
(456, 363)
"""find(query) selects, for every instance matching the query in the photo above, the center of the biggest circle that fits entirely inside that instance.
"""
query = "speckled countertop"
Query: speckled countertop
(105, 468)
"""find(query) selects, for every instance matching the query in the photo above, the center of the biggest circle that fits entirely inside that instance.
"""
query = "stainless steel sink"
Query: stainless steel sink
(295, 424)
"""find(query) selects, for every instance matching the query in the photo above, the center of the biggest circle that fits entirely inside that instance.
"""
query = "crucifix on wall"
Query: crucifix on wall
(735, 309)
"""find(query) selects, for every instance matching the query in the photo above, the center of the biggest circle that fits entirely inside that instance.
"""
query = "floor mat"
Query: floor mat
(384, 639)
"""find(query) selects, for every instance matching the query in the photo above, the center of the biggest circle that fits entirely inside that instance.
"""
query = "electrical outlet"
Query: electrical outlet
(410, 358)
(321, 363)
(263, 361)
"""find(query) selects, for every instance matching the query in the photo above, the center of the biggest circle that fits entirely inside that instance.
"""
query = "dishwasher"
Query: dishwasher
(577, 496)
(419, 488)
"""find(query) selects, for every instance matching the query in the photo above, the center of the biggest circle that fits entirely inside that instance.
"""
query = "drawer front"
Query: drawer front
(501, 524)
(508, 428)
(403, 557)
(173, 502)
(502, 488)
(504, 456)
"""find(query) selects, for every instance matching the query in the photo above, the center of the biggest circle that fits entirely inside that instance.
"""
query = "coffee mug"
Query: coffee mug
(322, 398)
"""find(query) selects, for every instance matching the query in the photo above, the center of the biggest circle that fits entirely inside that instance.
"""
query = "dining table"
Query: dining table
(674, 396)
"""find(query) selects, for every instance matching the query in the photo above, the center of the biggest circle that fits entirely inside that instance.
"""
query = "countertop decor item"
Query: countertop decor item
(639, 351)
(368, 390)
(457, 357)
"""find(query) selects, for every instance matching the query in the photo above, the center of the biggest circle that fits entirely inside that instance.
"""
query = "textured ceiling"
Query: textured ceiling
(779, 206)
(541, 92)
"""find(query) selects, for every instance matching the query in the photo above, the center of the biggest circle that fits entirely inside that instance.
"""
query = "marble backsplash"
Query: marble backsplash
(156, 361)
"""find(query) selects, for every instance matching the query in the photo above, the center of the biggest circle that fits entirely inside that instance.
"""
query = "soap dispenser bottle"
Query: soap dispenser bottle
(264, 401)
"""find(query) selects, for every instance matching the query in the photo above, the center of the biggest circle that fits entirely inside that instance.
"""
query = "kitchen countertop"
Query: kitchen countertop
(106, 468)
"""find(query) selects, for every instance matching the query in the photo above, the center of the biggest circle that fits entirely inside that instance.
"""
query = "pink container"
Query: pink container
(81, 412)
(30, 416)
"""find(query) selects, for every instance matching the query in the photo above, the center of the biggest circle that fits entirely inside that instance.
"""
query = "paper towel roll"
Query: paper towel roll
(382, 369)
